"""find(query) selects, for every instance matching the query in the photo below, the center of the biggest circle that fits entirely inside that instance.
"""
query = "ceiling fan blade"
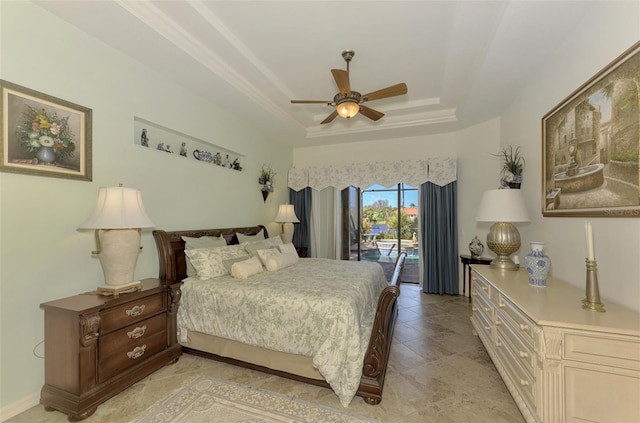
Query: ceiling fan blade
(342, 80)
(329, 118)
(392, 91)
(370, 113)
(327, 102)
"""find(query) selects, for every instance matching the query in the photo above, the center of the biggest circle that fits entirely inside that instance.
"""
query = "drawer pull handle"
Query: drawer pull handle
(502, 305)
(498, 344)
(523, 354)
(137, 332)
(487, 309)
(524, 327)
(137, 352)
(487, 328)
(498, 322)
(524, 382)
(484, 288)
(474, 293)
(136, 311)
(473, 308)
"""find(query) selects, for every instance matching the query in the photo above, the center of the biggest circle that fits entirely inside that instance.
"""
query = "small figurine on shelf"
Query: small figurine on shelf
(236, 165)
(217, 159)
(183, 149)
(161, 146)
(144, 141)
(227, 162)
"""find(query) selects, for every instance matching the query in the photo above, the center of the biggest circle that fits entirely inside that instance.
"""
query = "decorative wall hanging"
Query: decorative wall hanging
(265, 179)
(44, 135)
(591, 145)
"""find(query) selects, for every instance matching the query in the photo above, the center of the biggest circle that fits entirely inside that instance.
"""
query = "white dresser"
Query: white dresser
(561, 363)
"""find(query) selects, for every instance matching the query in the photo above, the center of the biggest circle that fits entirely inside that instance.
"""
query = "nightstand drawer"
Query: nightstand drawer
(133, 354)
(131, 335)
(131, 312)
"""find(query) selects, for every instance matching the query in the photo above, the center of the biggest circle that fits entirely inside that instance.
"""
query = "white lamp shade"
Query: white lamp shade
(118, 208)
(286, 214)
(502, 205)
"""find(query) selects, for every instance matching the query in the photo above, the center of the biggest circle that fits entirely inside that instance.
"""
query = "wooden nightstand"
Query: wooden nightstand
(96, 346)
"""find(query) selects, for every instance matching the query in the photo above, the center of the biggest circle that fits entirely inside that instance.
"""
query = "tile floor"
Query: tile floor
(438, 372)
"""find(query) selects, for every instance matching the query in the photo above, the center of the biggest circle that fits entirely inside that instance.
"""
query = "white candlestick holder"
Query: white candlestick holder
(592, 301)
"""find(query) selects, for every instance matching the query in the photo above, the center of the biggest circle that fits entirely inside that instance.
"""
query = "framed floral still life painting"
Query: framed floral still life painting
(43, 135)
(590, 145)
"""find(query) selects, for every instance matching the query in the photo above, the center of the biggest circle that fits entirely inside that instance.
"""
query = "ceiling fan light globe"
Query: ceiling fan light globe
(348, 109)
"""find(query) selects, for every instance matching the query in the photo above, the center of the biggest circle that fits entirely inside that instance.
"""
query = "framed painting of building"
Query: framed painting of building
(43, 135)
(590, 145)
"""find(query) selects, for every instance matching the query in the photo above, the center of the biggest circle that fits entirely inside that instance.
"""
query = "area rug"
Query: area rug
(208, 399)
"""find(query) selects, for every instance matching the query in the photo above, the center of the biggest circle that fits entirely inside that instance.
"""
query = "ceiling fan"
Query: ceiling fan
(348, 103)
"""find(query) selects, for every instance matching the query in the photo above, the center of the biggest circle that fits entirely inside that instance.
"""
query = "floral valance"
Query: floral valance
(440, 171)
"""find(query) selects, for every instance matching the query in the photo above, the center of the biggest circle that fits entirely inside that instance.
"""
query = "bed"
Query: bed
(308, 358)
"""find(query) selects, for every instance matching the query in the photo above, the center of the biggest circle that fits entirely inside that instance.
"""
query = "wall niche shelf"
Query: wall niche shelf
(150, 135)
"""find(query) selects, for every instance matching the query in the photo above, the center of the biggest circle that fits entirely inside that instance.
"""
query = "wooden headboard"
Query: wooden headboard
(170, 245)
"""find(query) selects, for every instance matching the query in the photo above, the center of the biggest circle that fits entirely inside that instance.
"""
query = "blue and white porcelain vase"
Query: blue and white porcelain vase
(537, 264)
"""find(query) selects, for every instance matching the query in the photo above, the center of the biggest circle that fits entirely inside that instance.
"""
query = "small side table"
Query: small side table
(466, 270)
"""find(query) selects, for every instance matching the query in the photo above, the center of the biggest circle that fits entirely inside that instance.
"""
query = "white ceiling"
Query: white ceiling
(463, 61)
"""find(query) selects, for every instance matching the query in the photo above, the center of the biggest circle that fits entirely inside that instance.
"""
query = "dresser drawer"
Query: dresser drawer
(523, 352)
(522, 323)
(480, 286)
(619, 351)
(132, 334)
(131, 312)
(133, 354)
(522, 380)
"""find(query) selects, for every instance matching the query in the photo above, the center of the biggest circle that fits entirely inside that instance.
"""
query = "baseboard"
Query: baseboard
(19, 406)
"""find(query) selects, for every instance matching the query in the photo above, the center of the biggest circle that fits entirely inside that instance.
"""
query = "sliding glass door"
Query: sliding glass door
(387, 223)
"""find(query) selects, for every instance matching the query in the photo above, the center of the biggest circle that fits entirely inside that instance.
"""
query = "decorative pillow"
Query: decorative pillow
(288, 248)
(280, 261)
(267, 253)
(249, 238)
(228, 263)
(245, 268)
(208, 261)
(202, 242)
(253, 247)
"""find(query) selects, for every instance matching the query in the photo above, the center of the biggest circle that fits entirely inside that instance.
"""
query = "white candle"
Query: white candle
(589, 233)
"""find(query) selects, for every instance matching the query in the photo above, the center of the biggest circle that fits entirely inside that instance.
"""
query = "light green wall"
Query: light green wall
(598, 41)
(42, 255)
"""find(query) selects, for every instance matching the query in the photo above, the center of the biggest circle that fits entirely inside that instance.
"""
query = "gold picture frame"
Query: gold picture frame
(591, 145)
(43, 135)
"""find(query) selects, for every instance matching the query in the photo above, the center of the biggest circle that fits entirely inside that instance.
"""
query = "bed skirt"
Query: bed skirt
(285, 362)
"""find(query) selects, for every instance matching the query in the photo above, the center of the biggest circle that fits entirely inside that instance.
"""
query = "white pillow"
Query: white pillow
(244, 269)
(288, 248)
(280, 261)
(266, 253)
(208, 262)
(202, 242)
(253, 247)
(249, 238)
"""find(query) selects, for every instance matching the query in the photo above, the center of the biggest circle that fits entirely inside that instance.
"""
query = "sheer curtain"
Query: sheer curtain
(439, 238)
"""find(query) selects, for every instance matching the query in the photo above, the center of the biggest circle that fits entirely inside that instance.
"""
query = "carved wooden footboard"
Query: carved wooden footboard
(173, 268)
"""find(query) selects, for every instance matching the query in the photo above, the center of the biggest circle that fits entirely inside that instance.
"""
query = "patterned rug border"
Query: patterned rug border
(260, 403)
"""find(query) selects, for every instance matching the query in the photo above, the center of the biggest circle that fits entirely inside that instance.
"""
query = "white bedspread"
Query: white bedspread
(319, 308)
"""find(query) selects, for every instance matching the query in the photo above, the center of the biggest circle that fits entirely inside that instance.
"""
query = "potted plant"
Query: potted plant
(266, 180)
(512, 166)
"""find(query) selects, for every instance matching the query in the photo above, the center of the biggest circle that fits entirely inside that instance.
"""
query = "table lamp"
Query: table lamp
(503, 206)
(118, 219)
(287, 216)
